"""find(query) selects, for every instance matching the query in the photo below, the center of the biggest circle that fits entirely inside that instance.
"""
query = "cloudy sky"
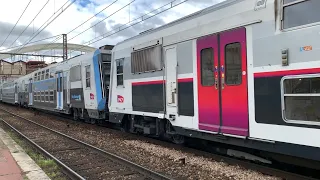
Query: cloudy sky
(119, 13)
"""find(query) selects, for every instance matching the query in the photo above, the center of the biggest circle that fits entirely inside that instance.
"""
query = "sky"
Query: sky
(118, 13)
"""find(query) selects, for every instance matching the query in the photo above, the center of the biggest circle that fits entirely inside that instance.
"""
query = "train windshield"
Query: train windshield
(105, 71)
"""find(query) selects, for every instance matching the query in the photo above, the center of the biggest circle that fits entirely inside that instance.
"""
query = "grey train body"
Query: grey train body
(74, 86)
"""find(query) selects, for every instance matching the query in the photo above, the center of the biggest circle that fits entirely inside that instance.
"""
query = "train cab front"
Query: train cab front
(105, 73)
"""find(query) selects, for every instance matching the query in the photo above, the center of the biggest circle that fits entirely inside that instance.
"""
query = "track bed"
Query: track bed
(174, 161)
(85, 160)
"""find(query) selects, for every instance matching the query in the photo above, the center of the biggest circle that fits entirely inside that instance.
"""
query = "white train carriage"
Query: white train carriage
(242, 72)
(74, 86)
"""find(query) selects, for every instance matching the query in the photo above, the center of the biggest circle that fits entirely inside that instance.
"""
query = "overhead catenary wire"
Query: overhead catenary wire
(16, 23)
(119, 28)
(30, 22)
(91, 18)
(62, 10)
(54, 41)
(31, 42)
(102, 19)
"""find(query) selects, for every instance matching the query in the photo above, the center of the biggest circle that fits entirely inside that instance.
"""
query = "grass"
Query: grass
(49, 166)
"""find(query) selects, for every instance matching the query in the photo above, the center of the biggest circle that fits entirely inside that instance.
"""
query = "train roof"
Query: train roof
(194, 15)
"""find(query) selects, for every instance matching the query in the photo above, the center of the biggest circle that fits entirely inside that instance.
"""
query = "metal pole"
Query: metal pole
(65, 47)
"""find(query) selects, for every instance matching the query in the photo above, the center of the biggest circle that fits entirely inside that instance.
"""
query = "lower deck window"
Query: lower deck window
(47, 96)
(301, 99)
(51, 96)
(42, 96)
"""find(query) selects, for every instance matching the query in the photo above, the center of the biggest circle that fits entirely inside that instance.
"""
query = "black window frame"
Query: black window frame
(119, 71)
(47, 74)
(88, 78)
(284, 5)
(201, 67)
(226, 66)
(293, 94)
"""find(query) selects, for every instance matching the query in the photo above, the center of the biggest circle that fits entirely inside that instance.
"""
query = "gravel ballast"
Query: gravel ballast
(150, 154)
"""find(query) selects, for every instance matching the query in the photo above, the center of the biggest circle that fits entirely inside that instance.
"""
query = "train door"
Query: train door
(15, 93)
(59, 87)
(171, 79)
(30, 92)
(68, 87)
(222, 83)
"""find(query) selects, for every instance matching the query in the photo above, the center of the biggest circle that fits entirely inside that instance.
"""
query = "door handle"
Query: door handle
(222, 81)
(216, 82)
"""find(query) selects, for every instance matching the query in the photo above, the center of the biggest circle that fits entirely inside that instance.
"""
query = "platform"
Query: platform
(15, 164)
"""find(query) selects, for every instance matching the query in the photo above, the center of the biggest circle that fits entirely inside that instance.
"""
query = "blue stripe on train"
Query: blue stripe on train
(59, 93)
(100, 101)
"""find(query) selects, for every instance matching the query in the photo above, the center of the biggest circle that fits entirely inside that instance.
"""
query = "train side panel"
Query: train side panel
(250, 91)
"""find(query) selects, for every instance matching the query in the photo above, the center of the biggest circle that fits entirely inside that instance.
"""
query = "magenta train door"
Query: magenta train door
(222, 83)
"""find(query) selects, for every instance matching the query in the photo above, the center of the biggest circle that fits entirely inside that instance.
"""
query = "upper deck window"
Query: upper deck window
(75, 73)
(300, 12)
(47, 74)
(146, 60)
(106, 57)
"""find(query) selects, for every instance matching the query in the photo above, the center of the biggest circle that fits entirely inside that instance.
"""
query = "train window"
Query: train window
(47, 96)
(207, 76)
(233, 72)
(301, 99)
(106, 57)
(75, 73)
(88, 71)
(300, 12)
(51, 96)
(146, 60)
(47, 74)
(42, 75)
(119, 63)
(23, 86)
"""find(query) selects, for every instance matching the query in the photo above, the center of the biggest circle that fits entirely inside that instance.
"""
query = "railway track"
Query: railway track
(246, 164)
(78, 159)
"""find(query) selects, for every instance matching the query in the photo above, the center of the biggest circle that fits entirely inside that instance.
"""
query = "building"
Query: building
(19, 68)
(34, 65)
(13, 70)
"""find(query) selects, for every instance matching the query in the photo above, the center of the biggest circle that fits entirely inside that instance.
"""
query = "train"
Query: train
(242, 73)
(78, 86)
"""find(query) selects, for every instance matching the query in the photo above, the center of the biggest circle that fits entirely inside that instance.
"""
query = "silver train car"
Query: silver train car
(76, 86)
(242, 72)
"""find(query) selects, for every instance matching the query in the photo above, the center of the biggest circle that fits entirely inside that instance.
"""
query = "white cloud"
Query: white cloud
(81, 11)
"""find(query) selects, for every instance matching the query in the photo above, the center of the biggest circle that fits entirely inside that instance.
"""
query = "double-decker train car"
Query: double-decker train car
(75, 86)
(242, 72)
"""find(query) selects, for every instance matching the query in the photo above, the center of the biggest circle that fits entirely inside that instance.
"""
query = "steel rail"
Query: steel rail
(67, 170)
(111, 156)
(233, 161)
